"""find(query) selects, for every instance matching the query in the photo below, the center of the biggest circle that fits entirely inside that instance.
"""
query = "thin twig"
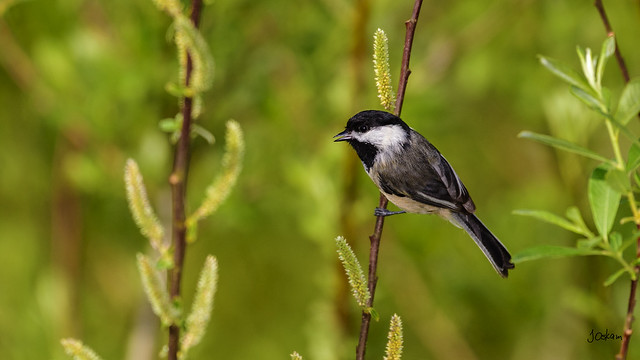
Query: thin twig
(406, 55)
(607, 26)
(178, 180)
(377, 234)
(626, 333)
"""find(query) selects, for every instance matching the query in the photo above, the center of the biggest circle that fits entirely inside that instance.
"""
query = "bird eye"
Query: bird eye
(363, 128)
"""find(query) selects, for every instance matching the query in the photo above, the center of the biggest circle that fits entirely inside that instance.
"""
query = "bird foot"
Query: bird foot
(384, 212)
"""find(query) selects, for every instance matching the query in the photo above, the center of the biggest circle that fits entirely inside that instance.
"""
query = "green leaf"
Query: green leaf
(633, 158)
(564, 72)
(631, 241)
(204, 133)
(611, 279)
(618, 180)
(551, 251)
(604, 201)
(588, 65)
(588, 99)
(589, 243)
(615, 239)
(623, 129)
(177, 90)
(169, 125)
(573, 214)
(552, 219)
(563, 145)
(608, 48)
(629, 104)
(374, 314)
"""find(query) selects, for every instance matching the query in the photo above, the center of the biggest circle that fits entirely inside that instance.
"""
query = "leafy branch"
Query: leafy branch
(613, 182)
(385, 94)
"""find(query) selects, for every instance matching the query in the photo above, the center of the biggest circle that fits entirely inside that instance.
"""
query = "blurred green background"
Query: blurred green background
(82, 89)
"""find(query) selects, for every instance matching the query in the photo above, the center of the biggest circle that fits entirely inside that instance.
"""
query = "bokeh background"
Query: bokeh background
(82, 89)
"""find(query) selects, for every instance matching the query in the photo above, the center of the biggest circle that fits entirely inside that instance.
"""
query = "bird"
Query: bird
(412, 174)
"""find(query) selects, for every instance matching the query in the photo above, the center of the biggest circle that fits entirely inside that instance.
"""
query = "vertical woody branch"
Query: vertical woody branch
(178, 180)
(377, 234)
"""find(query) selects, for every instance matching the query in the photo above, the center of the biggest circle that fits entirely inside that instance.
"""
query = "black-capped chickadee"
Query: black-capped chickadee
(414, 176)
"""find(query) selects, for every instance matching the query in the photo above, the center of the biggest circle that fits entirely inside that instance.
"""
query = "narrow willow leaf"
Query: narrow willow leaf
(611, 279)
(551, 251)
(588, 99)
(630, 241)
(562, 145)
(564, 72)
(552, 219)
(140, 208)
(574, 214)
(604, 201)
(156, 291)
(394, 343)
(623, 129)
(633, 158)
(221, 187)
(589, 243)
(618, 180)
(189, 39)
(615, 239)
(608, 48)
(204, 133)
(296, 356)
(373, 312)
(168, 125)
(382, 70)
(352, 267)
(78, 350)
(200, 315)
(588, 63)
(629, 104)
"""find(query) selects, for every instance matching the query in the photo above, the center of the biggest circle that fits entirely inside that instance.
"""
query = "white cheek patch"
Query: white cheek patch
(384, 137)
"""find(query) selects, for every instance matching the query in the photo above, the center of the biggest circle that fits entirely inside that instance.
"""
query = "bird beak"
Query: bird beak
(342, 137)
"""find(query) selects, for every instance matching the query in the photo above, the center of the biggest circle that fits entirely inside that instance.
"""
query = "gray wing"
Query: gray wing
(424, 175)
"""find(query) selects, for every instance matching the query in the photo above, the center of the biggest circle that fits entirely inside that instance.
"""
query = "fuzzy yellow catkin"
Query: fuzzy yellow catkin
(354, 272)
(172, 7)
(394, 344)
(189, 39)
(78, 350)
(140, 208)
(296, 356)
(221, 187)
(156, 291)
(382, 70)
(200, 315)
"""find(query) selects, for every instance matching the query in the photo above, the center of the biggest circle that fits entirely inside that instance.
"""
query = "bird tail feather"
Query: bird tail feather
(492, 248)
